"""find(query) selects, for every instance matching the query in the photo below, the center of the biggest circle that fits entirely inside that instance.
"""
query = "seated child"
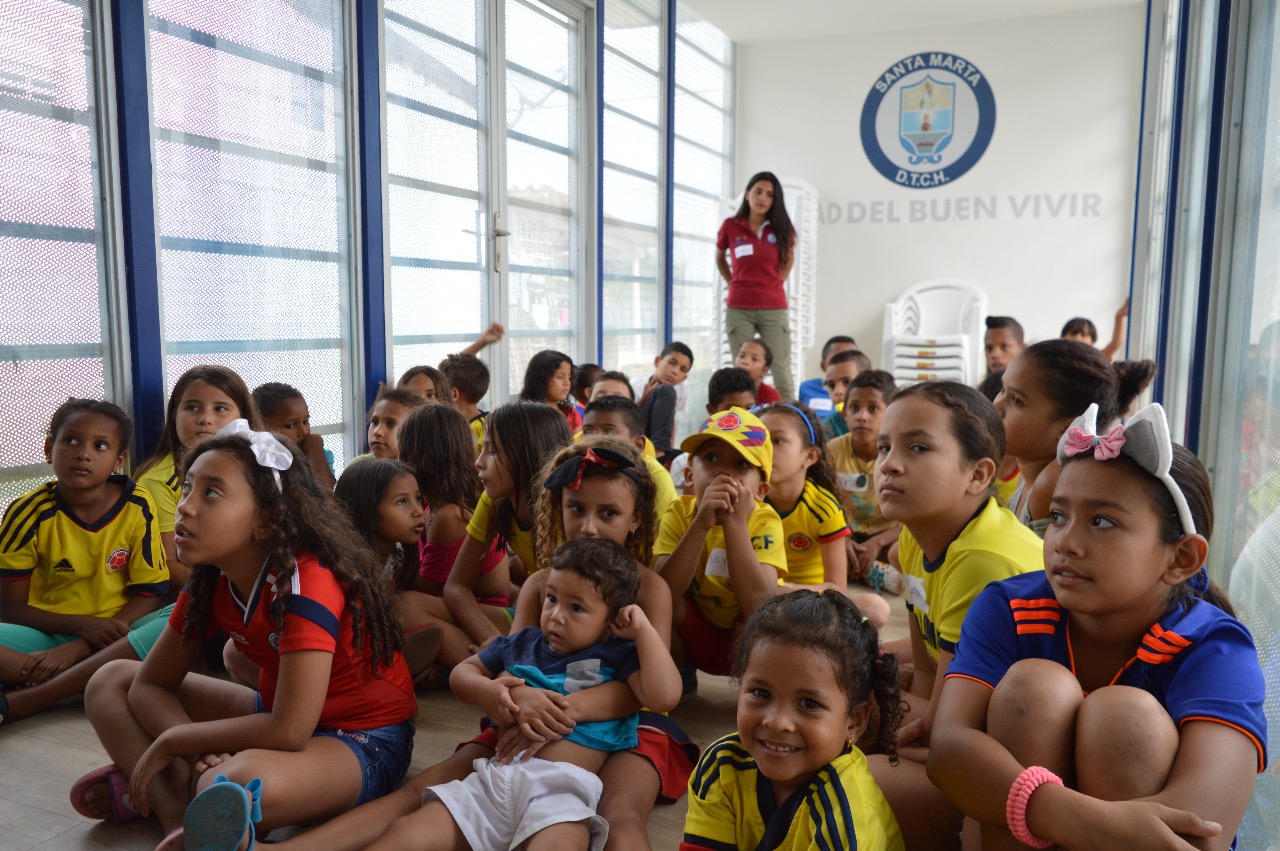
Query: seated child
(427, 381)
(1083, 330)
(284, 411)
(1003, 342)
(729, 387)
(671, 367)
(592, 633)
(583, 377)
(468, 382)
(619, 416)
(81, 563)
(389, 409)
(813, 680)
(721, 550)
(854, 456)
(756, 358)
(812, 390)
(548, 380)
(842, 368)
(613, 383)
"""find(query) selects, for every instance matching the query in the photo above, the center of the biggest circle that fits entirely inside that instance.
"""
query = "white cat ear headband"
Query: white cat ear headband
(1144, 439)
(269, 451)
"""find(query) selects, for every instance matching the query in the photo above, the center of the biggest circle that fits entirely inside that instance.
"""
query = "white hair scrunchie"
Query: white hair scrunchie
(269, 451)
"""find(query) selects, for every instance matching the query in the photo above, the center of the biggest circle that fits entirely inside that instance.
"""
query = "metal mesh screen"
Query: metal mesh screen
(541, 161)
(703, 113)
(436, 206)
(249, 134)
(55, 325)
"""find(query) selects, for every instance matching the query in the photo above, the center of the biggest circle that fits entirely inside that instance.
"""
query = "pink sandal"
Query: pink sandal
(122, 810)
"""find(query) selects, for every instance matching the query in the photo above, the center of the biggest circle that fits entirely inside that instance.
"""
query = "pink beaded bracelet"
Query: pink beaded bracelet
(1015, 809)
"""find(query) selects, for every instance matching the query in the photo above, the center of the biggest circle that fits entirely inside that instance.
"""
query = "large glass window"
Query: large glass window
(55, 338)
(437, 197)
(1242, 418)
(633, 146)
(249, 137)
(703, 174)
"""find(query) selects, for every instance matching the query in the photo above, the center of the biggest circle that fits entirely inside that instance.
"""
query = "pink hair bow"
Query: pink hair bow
(1104, 447)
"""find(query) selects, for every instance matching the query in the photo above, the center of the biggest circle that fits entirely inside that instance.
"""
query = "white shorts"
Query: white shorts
(501, 806)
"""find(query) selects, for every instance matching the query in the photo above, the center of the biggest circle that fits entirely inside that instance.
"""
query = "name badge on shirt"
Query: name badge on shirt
(821, 405)
(718, 563)
(915, 594)
(744, 249)
(853, 482)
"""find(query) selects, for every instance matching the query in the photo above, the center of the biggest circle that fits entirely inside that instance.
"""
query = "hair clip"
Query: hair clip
(1144, 440)
(569, 474)
(267, 449)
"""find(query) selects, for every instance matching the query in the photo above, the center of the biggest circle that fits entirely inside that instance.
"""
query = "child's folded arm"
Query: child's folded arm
(14, 608)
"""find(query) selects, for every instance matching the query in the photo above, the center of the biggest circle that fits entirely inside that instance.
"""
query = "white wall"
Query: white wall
(1068, 94)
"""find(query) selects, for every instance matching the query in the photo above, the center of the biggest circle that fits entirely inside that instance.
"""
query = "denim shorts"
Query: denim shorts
(383, 753)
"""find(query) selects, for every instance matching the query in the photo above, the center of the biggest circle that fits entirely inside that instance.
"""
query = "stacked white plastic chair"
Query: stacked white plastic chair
(801, 285)
(934, 330)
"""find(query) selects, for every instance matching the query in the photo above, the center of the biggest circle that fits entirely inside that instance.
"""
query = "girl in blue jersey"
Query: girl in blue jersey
(813, 680)
(1112, 701)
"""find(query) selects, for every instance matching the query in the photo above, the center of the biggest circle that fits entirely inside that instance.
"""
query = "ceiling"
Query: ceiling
(754, 21)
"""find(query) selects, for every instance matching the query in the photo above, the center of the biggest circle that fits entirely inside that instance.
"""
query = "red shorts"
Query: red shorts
(707, 647)
(662, 743)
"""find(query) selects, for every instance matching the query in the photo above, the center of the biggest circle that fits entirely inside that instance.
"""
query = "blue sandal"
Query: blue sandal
(220, 817)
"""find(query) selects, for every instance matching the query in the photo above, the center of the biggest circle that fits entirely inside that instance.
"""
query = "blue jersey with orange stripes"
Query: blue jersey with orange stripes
(1197, 661)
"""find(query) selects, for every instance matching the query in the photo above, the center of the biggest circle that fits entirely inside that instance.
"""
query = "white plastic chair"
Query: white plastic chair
(935, 330)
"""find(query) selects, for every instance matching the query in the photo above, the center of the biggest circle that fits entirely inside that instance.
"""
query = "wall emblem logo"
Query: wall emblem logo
(928, 119)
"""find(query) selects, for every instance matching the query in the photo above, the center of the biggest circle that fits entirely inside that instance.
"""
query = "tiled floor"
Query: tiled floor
(42, 756)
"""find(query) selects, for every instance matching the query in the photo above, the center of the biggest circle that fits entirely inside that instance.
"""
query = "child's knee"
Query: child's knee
(874, 607)
(1125, 743)
(112, 679)
(1034, 695)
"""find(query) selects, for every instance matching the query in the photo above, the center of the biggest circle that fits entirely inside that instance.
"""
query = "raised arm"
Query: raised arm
(657, 682)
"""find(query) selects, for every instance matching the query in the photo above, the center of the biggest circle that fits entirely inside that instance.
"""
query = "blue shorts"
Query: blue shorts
(383, 753)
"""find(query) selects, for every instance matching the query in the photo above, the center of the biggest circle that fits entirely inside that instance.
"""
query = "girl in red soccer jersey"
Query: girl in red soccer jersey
(278, 566)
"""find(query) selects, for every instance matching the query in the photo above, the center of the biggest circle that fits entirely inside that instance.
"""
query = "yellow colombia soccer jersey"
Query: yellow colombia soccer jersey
(993, 546)
(1006, 488)
(164, 485)
(518, 538)
(842, 807)
(710, 587)
(815, 520)
(80, 569)
(477, 428)
(858, 487)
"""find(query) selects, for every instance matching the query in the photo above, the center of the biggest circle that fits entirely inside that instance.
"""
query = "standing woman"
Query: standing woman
(754, 253)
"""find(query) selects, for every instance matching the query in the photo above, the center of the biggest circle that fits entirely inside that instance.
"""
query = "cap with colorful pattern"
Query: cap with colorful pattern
(742, 430)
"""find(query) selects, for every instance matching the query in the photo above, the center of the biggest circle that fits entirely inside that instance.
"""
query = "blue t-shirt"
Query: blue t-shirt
(1197, 661)
(813, 394)
(526, 654)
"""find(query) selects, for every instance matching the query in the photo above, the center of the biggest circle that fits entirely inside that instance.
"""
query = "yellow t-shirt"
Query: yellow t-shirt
(518, 538)
(710, 586)
(815, 520)
(857, 480)
(993, 546)
(666, 491)
(164, 485)
(477, 428)
(81, 569)
(1005, 488)
(842, 807)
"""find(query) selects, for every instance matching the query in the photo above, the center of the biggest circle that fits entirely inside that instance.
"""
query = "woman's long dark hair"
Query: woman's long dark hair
(778, 219)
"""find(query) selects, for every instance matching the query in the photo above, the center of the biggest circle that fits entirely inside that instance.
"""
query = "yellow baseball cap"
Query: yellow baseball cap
(742, 430)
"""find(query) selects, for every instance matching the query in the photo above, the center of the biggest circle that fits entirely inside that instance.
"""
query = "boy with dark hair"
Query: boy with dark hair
(468, 382)
(611, 382)
(1003, 342)
(842, 368)
(664, 394)
(812, 392)
(284, 410)
(584, 376)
